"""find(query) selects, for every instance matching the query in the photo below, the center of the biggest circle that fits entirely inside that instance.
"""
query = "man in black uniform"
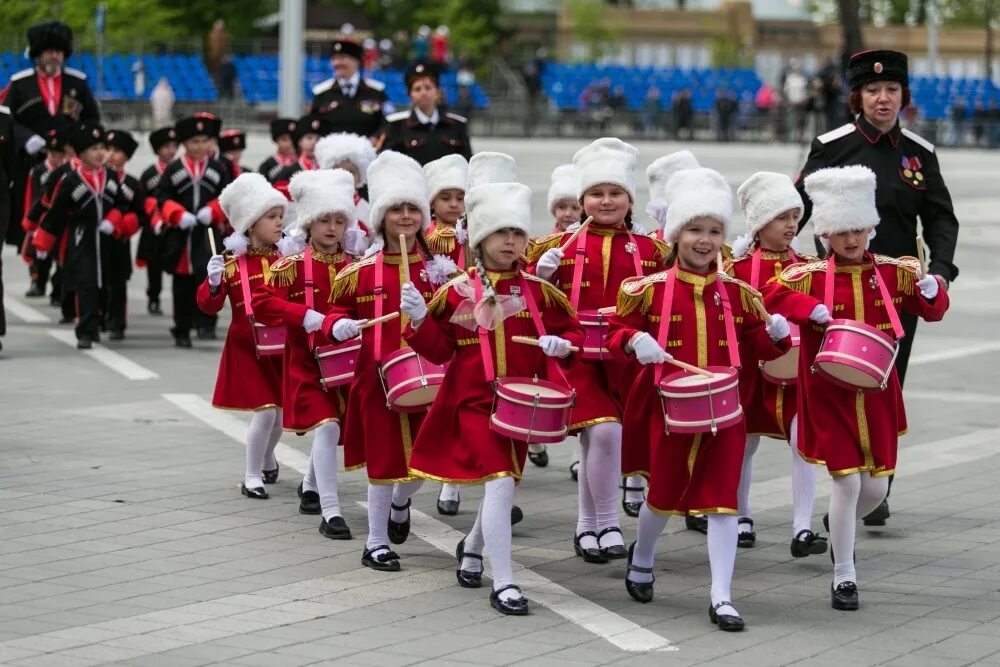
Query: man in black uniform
(282, 133)
(909, 181)
(164, 143)
(428, 131)
(350, 102)
(8, 167)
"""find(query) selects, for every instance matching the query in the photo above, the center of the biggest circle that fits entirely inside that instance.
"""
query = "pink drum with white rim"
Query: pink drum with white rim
(595, 331)
(785, 369)
(855, 355)
(337, 362)
(694, 403)
(269, 340)
(411, 382)
(531, 410)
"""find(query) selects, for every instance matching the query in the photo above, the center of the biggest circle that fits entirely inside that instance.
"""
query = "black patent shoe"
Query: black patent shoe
(308, 501)
(381, 558)
(398, 532)
(540, 459)
(574, 471)
(747, 539)
(181, 338)
(34, 291)
(640, 592)
(515, 607)
(631, 508)
(845, 596)
(257, 493)
(448, 507)
(615, 552)
(592, 555)
(335, 529)
(271, 476)
(467, 578)
(726, 622)
(153, 307)
(878, 515)
(698, 523)
(516, 515)
(807, 543)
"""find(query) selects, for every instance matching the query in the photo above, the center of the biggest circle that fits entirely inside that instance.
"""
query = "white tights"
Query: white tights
(853, 497)
(263, 434)
(600, 470)
(323, 462)
(492, 530)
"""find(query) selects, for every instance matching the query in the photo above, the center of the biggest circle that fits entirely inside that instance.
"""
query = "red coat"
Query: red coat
(374, 435)
(688, 474)
(455, 443)
(609, 258)
(848, 430)
(244, 382)
(282, 301)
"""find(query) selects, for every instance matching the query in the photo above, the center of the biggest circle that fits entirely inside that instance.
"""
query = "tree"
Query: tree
(590, 26)
(850, 20)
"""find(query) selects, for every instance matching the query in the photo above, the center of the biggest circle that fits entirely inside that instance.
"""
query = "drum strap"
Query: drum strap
(241, 262)
(732, 342)
(307, 269)
(379, 289)
(890, 307)
(581, 259)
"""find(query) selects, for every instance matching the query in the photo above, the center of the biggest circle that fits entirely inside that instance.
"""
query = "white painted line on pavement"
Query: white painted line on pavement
(24, 312)
(950, 396)
(955, 353)
(594, 618)
(113, 360)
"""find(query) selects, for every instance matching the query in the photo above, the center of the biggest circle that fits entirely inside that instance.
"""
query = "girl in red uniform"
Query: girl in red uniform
(772, 208)
(377, 437)
(298, 295)
(563, 199)
(604, 254)
(471, 323)
(247, 381)
(703, 318)
(353, 153)
(854, 433)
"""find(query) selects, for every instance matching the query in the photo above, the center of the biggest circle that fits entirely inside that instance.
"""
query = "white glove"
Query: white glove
(187, 221)
(554, 346)
(778, 328)
(928, 287)
(412, 303)
(40, 254)
(346, 329)
(34, 144)
(313, 320)
(216, 265)
(106, 227)
(548, 263)
(158, 228)
(647, 350)
(204, 215)
(820, 315)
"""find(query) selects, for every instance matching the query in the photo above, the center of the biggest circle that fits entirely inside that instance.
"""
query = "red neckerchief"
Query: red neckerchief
(196, 168)
(50, 164)
(307, 163)
(161, 166)
(51, 90)
(75, 163)
(285, 160)
(92, 177)
(236, 168)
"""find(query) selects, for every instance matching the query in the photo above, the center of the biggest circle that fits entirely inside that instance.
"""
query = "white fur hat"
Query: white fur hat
(694, 193)
(766, 195)
(843, 199)
(394, 179)
(339, 147)
(565, 184)
(659, 174)
(494, 206)
(448, 173)
(489, 167)
(606, 160)
(320, 191)
(247, 199)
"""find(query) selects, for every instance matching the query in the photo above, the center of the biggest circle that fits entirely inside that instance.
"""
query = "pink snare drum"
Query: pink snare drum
(697, 404)
(337, 362)
(785, 369)
(595, 330)
(531, 410)
(269, 341)
(855, 355)
(410, 381)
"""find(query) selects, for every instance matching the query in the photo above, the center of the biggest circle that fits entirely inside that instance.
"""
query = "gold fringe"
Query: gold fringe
(230, 267)
(332, 271)
(628, 302)
(746, 299)
(802, 284)
(440, 300)
(441, 244)
(555, 296)
(662, 248)
(282, 273)
(265, 269)
(346, 282)
(904, 280)
(537, 247)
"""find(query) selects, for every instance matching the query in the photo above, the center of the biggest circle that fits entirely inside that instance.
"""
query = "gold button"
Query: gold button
(907, 173)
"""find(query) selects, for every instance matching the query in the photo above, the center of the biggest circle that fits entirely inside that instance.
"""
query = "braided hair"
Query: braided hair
(488, 290)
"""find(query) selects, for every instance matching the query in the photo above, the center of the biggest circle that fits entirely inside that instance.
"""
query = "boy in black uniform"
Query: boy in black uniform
(232, 143)
(58, 152)
(121, 147)
(308, 130)
(348, 101)
(164, 144)
(428, 131)
(187, 196)
(282, 130)
(87, 205)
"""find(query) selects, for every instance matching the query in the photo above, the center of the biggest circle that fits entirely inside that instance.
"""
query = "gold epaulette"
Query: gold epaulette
(440, 298)
(906, 271)
(551, 293)
(662, 247)
(346, 281)
(441, 243)
(537, 247)
(637, 292)
(230, 267)
(284, 270)
(799, 276)
(727, 251)
(747, 293)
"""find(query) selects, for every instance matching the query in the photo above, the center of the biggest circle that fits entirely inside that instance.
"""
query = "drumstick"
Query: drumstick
(378, 320)
(528, 340)
(572, 237)
(610, 310)
(691, 369)
(920, 256)
(404, 258)
(211, 241)
(760, 309)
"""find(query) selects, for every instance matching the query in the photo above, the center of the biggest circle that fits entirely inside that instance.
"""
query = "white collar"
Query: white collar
(433, 119)
(353, 81)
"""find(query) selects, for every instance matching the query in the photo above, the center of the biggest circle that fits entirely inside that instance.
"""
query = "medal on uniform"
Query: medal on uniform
(631, 247)
(515, 294)
(873, 281)
(718, 299)
(424, 276)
